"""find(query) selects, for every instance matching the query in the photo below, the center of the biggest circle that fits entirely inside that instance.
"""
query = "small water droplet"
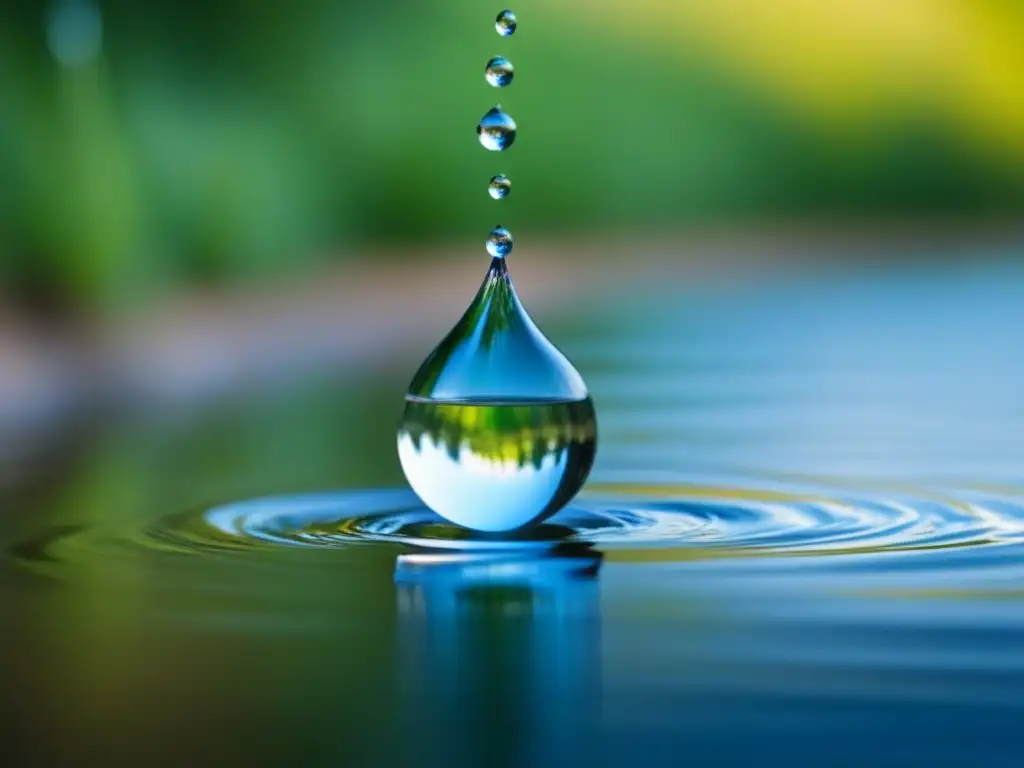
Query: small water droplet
(496, 131)
(499, 186)
(499, 242)
(506, 23)
(499, 71)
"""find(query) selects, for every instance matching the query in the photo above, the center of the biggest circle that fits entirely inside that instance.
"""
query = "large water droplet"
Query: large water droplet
(496, 131)
(498, 430)
(506, 23)
(499, 72)
(499, 242)
(499, 187)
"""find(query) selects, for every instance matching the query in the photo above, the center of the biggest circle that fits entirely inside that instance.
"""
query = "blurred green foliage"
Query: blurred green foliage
(244, 140)
(499, 434)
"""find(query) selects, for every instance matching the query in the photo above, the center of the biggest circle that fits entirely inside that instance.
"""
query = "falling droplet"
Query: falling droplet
(499, 187)
(499, 71)
(498, 430)
(496, 131)
(506, 23)
(499, 242)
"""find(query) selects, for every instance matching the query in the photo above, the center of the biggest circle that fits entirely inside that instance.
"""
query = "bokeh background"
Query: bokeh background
(149, 148)
(231, 231)
(204, 201)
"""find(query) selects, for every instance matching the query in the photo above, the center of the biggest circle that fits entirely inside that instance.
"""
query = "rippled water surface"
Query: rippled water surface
(803, 542)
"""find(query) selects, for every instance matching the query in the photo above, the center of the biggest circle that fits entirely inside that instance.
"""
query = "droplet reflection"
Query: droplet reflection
(506, 23)
(499, 187)
(499, 72)
(496, 466)
(520, 628)
(499, 242)
(496, 130)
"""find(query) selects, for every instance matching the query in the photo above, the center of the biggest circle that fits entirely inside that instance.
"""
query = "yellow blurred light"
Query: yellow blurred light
(851, 64)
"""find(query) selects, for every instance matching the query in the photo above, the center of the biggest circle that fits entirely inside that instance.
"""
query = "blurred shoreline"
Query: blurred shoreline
(364, 314)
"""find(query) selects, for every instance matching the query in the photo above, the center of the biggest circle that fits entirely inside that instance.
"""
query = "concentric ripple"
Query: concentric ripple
(628, 524)
(739, 524)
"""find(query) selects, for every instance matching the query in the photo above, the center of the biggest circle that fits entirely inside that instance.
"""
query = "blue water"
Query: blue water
(802, 543)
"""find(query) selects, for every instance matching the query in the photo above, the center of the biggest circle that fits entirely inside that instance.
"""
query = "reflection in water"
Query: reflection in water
(811, 510)
(500, 654)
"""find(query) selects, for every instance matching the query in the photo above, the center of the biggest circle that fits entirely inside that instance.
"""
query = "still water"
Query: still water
(802, 542)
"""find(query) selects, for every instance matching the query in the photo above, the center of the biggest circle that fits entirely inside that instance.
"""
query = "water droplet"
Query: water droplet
(498, 430)
(499, 242)
(499, 72)
(506, 23)
(499, 187)
(496, 131)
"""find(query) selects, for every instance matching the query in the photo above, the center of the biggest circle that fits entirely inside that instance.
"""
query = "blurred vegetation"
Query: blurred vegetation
(240, 141)
(501, 434)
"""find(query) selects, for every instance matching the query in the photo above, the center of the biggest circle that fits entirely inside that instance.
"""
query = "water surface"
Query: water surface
(802, 542)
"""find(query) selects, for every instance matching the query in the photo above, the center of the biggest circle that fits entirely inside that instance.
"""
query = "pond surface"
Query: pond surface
(803, 543)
